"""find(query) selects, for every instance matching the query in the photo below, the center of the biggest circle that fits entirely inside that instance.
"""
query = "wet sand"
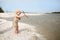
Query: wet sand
(47, 25)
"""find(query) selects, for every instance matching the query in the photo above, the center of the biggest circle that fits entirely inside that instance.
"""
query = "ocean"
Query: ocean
(45, 24)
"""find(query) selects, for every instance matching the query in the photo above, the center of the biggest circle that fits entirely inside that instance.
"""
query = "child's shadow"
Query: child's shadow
(26, 29)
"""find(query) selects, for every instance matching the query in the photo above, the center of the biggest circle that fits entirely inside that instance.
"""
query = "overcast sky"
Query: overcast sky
(31, 5)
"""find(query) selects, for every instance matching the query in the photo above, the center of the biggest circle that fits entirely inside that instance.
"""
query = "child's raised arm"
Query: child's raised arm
(17, 16)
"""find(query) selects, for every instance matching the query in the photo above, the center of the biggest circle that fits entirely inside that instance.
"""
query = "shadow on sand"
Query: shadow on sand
(26, 29)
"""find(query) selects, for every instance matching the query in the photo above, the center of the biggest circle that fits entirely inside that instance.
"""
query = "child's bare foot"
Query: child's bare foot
(16, 32)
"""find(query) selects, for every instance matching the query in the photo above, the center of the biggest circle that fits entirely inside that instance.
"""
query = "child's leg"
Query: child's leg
(16, 29)
(16, 26)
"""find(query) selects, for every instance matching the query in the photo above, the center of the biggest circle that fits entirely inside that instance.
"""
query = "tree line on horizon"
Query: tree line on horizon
(56, 12)
(1, 10)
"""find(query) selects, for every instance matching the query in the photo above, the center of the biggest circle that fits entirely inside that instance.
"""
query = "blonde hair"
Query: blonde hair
(17, 11)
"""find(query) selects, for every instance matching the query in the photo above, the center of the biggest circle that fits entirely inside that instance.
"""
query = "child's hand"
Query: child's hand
(19, 18)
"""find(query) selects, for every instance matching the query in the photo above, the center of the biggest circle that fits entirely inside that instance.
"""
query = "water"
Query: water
(47, 25)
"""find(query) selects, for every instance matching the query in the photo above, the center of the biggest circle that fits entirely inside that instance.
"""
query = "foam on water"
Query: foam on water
(26, 32)
(5, 15)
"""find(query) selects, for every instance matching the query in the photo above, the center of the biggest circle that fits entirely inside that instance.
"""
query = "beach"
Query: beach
(47, 26)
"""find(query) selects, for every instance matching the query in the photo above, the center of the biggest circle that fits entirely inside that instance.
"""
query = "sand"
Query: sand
(26, 32)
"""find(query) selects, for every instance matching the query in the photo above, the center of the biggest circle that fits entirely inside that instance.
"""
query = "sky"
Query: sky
(42, 6)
